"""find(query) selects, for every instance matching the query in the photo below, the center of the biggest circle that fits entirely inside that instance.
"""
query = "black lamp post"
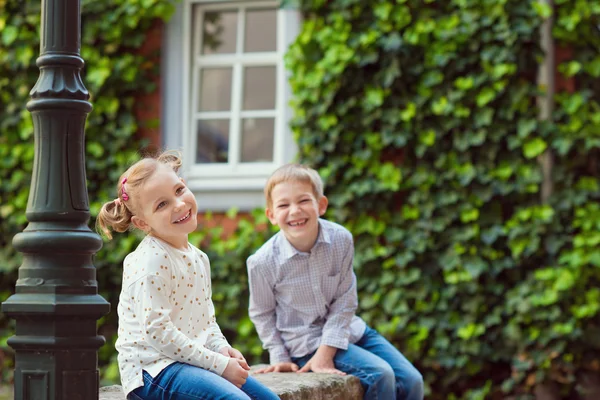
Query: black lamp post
(56, 304)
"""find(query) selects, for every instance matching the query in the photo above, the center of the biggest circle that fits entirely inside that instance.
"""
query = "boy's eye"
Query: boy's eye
(161, 205)
(282, 205)
(304, 200)
(180, 190)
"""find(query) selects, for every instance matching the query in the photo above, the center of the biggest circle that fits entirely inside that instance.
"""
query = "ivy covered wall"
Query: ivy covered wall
(421, 116)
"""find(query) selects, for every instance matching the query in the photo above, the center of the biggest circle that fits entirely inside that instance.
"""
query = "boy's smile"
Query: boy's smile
(298, 223)
(296, 210)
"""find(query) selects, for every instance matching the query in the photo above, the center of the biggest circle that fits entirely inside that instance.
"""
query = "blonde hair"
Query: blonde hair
(116, 214)
(294, 173)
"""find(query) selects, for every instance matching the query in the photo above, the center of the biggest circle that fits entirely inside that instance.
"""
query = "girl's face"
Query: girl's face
(167, 208)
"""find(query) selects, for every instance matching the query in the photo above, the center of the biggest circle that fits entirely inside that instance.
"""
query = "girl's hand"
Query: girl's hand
(235, 373)
(236, 354)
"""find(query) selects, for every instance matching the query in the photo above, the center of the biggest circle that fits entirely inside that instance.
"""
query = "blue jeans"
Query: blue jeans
(180, 381)
(383, 371)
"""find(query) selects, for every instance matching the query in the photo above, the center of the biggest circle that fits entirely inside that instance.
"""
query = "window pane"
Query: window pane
(259, 88)
(257, 139)
(261, 30)
(219, 31)
(215, 89)
(213, 141)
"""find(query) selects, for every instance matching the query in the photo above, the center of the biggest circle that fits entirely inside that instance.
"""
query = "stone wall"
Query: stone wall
(288, 386)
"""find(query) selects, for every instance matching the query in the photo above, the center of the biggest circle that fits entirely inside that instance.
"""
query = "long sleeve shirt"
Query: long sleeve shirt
(299, 301)
(166, 313)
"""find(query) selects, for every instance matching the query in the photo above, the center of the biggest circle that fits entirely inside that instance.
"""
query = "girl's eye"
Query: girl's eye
(180, 190)
(161, 205)
(282, 206)
(304, 201)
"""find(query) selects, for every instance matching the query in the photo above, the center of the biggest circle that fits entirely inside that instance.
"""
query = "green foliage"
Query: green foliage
(422, 118)
(116, 72)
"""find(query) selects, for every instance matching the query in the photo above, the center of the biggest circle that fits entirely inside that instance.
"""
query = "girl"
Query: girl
(169, 343)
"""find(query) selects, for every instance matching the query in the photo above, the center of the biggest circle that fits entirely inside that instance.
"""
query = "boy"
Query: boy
(303, 295)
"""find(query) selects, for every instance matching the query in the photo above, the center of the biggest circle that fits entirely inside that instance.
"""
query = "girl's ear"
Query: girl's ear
(323, 202)
(140, 223)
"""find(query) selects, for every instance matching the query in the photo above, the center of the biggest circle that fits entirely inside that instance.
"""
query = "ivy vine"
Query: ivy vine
(422, 118)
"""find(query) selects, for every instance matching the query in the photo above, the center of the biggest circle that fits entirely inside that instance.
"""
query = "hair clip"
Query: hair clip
(123, 192)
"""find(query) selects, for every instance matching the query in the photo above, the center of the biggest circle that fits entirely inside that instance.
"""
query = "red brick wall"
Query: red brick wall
(148, 106)
(562, 83)
(229, 225)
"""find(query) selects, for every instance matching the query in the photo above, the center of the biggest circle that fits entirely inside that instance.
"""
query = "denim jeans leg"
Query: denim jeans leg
(258, 391)
(375, 375)
(409, 381)
(181, 381)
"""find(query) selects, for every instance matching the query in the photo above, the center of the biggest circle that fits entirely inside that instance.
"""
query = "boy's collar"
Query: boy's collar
(288, 251)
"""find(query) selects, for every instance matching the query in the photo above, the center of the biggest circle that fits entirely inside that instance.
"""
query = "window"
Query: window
(234, 97)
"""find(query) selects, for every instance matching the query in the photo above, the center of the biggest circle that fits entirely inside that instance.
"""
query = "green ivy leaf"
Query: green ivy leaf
(427, 137)
(485, 96)
(470, 330)
(469, 215)
(534, 147)
(525, 127)
(544, 10)
(9, 35)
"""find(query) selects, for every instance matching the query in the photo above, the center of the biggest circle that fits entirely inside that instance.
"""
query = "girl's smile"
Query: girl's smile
(185, 218)
(167, 208)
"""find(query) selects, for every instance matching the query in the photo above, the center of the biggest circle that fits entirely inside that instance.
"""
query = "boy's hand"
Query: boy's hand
(279, 367)
(322, 361)
(235, 372)
(234, 353)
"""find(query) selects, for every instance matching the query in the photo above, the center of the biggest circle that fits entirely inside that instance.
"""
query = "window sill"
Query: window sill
(222, 194)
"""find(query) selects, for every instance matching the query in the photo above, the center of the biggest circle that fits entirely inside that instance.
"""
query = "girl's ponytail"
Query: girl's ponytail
(113, 215)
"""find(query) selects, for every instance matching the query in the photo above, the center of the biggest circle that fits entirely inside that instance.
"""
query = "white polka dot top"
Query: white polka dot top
(166, 313)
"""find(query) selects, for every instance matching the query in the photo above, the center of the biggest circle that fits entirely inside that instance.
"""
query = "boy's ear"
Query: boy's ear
(323, 202)
(270, 215)
(140, 223)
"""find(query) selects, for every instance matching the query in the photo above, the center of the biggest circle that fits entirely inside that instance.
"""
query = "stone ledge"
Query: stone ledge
(288, 386)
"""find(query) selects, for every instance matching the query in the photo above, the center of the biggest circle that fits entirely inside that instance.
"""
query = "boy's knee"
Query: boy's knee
(386, 375)
(413, 384)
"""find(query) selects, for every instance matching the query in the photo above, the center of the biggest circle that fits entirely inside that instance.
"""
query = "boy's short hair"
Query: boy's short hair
(294, 172)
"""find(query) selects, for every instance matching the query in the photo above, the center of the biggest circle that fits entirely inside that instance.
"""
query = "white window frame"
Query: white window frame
(219, 187)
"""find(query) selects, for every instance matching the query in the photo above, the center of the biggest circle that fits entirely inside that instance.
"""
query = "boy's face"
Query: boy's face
(296, 211)
(167, 208)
